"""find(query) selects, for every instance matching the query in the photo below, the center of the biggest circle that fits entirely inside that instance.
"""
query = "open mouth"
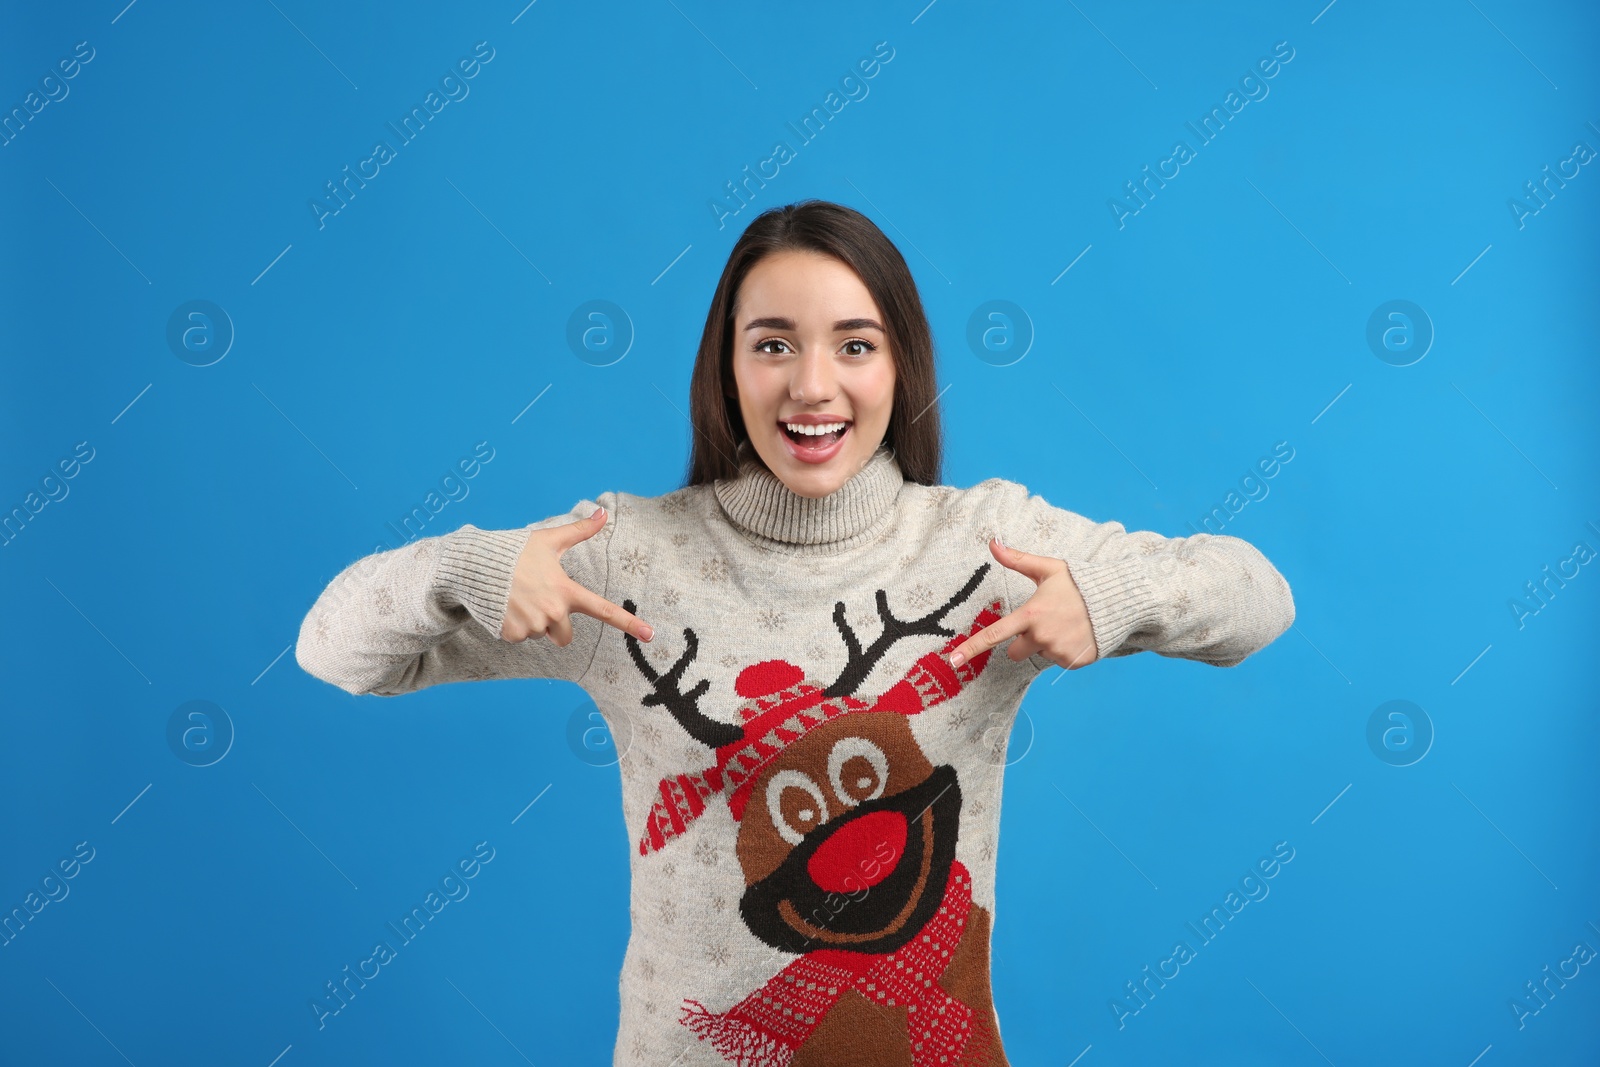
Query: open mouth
(815, 438)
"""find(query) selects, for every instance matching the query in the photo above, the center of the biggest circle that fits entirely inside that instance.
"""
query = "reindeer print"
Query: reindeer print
(847, 844)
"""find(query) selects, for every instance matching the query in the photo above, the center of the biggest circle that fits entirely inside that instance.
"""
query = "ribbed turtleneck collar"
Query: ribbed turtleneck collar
(758, 501)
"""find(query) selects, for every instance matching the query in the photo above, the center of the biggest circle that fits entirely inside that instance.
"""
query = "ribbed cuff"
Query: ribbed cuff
(475, 568)
(1120, 598)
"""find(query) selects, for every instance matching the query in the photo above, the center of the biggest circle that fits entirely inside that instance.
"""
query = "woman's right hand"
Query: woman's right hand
(543, 597)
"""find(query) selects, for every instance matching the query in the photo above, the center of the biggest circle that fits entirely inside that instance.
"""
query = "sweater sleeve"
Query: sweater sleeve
(1212, 598)
(430, 612)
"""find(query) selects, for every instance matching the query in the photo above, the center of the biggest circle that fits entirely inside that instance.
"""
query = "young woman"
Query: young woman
(800, 643)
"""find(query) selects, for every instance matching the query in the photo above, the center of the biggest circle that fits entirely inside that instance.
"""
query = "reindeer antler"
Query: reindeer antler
(860, 663)
(683, 706)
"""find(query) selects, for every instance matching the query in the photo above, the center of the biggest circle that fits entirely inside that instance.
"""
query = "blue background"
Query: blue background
(371, 353)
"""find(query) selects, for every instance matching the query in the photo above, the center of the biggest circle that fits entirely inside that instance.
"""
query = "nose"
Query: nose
(813, 381)
(861, 852)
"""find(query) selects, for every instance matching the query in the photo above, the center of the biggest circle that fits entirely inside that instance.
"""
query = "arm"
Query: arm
(1212, 598)
(430, 612)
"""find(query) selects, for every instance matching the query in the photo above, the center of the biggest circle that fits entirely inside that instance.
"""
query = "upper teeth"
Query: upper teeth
(807, 428)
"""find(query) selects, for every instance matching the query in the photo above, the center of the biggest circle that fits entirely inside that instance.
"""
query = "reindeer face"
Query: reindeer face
(847, 838)
(848, 834)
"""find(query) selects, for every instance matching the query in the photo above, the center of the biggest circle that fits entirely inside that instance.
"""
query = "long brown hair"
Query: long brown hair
(852, 238)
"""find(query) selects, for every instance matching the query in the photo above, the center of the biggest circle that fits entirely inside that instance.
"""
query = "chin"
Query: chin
(819, 479)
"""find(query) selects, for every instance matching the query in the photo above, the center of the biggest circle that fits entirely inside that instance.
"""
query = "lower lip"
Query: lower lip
(814, 455)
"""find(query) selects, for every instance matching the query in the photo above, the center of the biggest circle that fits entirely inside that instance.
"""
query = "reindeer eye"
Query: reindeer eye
(795, 803)
(858, 770)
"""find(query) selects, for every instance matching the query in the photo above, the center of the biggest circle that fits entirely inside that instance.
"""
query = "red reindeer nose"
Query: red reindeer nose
(861, 852)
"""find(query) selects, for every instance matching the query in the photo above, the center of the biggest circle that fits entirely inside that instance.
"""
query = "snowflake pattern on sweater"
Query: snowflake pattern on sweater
(812, 790)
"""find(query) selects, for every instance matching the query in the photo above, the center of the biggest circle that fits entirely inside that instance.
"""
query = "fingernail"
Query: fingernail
(957, 659)
(999, 542)
(647, 632)
(600, 512)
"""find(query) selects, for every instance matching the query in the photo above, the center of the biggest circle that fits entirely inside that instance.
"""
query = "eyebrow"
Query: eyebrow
(778, 322)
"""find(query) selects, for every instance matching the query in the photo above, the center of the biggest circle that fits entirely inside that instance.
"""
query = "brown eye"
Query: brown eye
(858, 770)
(795, 804)
(858, 779)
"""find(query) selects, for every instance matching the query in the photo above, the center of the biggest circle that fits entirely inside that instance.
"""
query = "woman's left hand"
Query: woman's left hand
(1054, 621)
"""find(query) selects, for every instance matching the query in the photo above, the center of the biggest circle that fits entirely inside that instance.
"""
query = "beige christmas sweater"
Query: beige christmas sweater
(811, 792)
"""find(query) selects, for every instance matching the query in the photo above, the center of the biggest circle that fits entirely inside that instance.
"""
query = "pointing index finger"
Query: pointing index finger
(591, 603)
(988, 637)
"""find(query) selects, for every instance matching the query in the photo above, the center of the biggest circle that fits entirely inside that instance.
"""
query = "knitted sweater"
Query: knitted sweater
(811, 792)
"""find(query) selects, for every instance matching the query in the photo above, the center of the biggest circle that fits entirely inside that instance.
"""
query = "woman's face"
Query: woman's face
(809, 346)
